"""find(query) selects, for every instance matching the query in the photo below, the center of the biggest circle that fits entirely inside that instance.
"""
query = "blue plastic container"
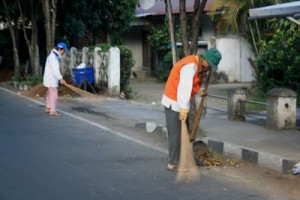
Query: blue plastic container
(80, 74)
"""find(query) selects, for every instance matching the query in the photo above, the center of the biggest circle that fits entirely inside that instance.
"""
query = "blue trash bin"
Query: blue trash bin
(80, 74)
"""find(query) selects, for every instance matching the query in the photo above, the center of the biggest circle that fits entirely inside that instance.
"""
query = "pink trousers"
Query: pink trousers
(51, 98)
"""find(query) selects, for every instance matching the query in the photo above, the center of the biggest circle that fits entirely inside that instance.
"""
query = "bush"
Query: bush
(127, 63)
(34, 80)
(162, 73)
(278, 64)
(104, 47)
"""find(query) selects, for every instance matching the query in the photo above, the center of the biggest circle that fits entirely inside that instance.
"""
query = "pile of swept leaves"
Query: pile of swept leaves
(205, 156)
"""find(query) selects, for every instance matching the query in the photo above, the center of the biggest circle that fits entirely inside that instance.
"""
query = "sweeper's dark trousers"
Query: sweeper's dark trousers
(174, 135)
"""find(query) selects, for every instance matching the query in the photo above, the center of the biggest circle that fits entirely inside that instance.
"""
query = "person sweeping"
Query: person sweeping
(183, 83)
(52, 77)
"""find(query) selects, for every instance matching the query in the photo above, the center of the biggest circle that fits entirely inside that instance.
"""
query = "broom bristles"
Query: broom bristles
(187, 170)
(81, 92)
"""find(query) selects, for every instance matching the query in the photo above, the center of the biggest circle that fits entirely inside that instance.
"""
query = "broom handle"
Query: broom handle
(199, 111)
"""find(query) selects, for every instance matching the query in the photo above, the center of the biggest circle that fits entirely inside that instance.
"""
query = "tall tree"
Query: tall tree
(171, 30)
(49, 9)
(29, 19)
(94, 19)
(11, 21)
(190, 48)
(187, 36)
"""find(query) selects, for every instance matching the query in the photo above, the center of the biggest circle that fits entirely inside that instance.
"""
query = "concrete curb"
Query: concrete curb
(260, 158)
(253, 156)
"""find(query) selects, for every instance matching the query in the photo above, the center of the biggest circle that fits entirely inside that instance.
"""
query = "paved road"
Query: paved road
(44, 157)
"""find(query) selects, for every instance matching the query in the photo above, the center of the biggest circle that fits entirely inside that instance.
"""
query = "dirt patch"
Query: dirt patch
(6, 75)
(40, 91)
(275, 184)
(35, 91)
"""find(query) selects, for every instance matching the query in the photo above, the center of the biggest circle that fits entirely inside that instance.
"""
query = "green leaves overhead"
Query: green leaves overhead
(96, 19)
(279, 61)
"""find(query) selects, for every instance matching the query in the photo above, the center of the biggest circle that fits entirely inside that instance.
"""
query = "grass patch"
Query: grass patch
(256, 107)
(255, 95)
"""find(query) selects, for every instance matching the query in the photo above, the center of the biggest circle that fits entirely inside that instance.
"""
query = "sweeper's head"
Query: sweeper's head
(212, 58)
(61, 47)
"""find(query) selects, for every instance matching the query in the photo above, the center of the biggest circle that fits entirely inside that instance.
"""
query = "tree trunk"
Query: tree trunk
(12, 26)
(45, 5)
(53, 20)
(171, 30)
(32, 44)
(183, 27)
(17, 68)
(49, 9)
(189, 49)
(198, 10)
(35, 60)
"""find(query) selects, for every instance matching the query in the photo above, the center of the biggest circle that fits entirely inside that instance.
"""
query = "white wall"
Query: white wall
(134, 42)
(235, 53)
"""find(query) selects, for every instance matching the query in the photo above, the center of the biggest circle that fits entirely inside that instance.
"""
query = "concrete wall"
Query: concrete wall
(235, 53)
(134, 41)
(106, 66)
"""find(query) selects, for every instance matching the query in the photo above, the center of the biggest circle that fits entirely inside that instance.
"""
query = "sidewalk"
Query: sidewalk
(248, 141)
(277, 150)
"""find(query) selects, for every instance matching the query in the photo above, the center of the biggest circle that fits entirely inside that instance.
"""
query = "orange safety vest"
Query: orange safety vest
(174, 77)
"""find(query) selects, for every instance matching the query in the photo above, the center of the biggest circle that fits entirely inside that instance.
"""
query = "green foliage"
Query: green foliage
(231, 16)
(104, 46)
(34, 80)
(159, 38)
(163, 72)
(93, 20)
(18, 78)
(30, 80)
(127, 63)
(278, 64)
(254, 94)
(122, 13)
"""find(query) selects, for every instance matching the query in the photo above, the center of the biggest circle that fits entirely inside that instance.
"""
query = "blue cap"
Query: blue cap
(61, 45)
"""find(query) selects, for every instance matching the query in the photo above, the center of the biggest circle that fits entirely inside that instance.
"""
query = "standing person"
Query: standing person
(52, 77)
(182, 84)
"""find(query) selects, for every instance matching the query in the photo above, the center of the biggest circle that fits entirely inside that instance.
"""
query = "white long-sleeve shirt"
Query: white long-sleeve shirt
(184, 90)
(52, 73)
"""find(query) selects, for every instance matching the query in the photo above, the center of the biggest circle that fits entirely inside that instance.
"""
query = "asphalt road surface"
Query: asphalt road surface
(62, 158)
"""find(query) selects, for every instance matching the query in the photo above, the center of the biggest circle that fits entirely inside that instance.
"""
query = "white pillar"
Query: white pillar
(236, 106)
(97, 63)
(114, 71)
(85, 51)
(281, 109)
(73, 52)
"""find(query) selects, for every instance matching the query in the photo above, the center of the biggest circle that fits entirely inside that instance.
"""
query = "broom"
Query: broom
(198, 115)
(81, 92)
(187, 170)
